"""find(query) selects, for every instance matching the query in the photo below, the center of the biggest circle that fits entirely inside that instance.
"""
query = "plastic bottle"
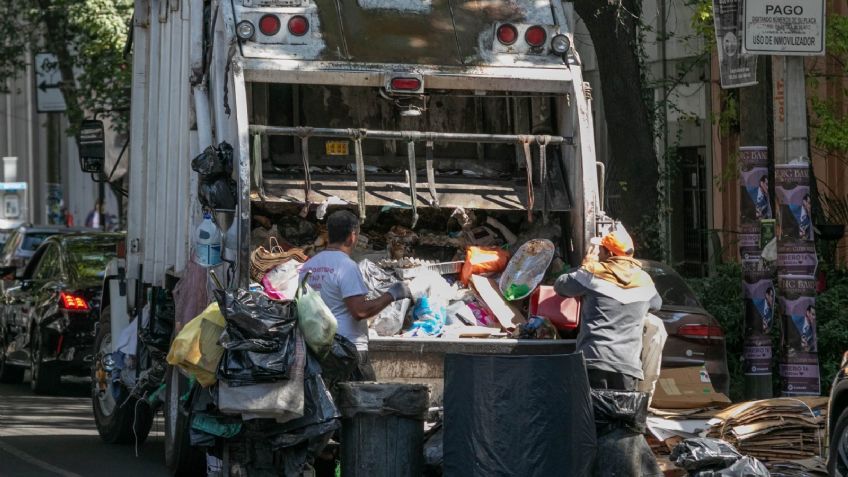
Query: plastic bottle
(207, 242)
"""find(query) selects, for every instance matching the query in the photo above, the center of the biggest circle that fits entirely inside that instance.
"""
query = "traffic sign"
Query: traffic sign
(788, 27)
(48, 78)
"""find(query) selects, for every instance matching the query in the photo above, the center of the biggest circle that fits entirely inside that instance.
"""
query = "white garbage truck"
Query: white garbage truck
(411, 105)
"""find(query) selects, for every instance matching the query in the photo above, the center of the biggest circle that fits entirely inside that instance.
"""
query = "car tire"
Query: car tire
(180, 457)
(8, 374)
(837, 462)
(129, 420)
(45, 378)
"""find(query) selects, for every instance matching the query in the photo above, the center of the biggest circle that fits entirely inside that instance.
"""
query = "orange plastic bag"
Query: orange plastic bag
(480, 260)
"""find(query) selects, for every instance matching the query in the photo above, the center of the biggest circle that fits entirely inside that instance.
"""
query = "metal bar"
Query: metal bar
(402, 135)
(410, 153)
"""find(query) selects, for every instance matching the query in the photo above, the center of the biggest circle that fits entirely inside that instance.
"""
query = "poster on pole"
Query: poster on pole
(788, 27)
(755, 204)
(736, 67)
(760, 306)
(799, 365)
(796, 249)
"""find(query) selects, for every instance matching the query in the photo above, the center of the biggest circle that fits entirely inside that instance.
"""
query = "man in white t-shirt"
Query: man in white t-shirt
(343, 289)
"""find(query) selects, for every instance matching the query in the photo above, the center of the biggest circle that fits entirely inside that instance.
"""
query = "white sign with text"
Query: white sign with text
(784, 27)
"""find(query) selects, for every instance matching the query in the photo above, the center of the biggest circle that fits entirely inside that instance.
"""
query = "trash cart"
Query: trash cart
(382, 428)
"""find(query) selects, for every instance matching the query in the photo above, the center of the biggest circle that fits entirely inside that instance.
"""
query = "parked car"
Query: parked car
(22, 243)
(695, 337)
(48, 318)
(837, 423)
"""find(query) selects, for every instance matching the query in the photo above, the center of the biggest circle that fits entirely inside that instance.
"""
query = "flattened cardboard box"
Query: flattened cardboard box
(686, 388)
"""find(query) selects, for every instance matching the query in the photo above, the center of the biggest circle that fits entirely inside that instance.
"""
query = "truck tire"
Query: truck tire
(837, 462)
(182, 459)
(122, 420)
(8, 374)
(44, 376)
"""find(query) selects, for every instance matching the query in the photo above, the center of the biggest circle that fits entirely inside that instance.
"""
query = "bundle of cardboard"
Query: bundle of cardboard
(781, 429)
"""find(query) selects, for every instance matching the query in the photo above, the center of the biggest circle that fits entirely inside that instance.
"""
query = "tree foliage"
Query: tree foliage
(88, 38)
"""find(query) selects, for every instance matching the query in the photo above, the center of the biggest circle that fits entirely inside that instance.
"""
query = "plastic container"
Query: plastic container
(207, 242)
(563, 312)
(526, 269)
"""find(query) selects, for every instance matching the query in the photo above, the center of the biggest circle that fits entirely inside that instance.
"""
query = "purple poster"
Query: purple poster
(755, 199)
(760, 306)
(796, 250)
(799, 368)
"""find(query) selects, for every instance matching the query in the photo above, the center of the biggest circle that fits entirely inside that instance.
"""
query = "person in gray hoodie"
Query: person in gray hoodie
(616, 296)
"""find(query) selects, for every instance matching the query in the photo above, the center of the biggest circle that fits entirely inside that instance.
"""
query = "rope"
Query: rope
(528, 163)
(358, 135)
(543, 141)
(303, 133)
(431, 175)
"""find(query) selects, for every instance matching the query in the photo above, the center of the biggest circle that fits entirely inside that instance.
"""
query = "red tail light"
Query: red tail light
(269, 25)
(507, 34)
(298, 25)
(71, 302)
(535, 36)
(700, 331)
(406, 84)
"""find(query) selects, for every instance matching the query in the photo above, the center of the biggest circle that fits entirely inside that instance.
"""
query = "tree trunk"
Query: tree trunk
(632, 172)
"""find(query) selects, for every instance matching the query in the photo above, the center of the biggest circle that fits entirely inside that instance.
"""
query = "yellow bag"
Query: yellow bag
(196, 348)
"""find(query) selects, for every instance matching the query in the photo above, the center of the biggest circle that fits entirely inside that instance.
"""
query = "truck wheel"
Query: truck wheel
(837, 462)
(121, 420)
(181, 458)
(44, 377)
(8, 374)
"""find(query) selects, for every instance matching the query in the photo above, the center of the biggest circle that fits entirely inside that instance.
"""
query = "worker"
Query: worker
(338, 279)
(616, 297)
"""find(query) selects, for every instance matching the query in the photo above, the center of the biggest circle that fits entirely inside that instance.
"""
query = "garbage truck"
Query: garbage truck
(409, 105)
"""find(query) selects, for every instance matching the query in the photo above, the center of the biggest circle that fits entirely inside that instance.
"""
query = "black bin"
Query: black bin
(382, 428)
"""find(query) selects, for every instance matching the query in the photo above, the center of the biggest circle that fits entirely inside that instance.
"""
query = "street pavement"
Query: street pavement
(49, 436)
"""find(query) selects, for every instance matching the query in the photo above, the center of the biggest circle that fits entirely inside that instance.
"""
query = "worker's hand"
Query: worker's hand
(399, 291)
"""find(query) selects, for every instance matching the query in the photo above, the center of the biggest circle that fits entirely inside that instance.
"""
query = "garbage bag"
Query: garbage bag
(619, 409)
(480, 260)
(196, 348)
(280, 283)
(340, 362)
(315, 320)
(214, 161)
(217, 193)
(744, 467)
(430, 318)
(517, 416)
(258, 340)
(390, 321)
(411, 401)
(703, 453)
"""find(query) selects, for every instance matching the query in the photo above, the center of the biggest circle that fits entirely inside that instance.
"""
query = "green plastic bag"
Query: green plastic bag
(315, 320)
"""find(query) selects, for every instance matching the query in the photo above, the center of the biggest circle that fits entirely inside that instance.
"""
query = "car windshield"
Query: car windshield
(670, 286)
(33, 239)
(88, 256)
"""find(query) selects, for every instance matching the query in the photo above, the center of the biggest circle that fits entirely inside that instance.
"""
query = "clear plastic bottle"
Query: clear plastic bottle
(207, 242)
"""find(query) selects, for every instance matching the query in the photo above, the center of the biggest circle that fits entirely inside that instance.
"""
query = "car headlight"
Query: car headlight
(560, 44)
(245, 30)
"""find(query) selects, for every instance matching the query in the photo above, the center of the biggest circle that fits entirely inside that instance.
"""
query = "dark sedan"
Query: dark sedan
(695, 337)
(48, 320)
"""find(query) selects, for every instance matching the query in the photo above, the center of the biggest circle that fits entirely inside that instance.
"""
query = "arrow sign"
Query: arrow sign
(48, 80)
(44, 86)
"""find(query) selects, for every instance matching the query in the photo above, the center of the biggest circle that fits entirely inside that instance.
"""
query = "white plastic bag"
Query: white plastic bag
(280, 283)
(315, 320)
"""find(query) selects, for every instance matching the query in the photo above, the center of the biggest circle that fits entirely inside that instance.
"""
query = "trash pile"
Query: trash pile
(259, 395)
(473, 278)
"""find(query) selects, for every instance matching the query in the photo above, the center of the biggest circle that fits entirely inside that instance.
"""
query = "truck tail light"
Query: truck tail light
(535, 36)
(269, 25)
(507, 34)
(700, 331)
(72, 302)
(406, 84)
(298, 25)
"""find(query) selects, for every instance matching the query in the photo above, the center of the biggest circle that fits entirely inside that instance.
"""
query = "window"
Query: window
(33, 239)
(48, 267)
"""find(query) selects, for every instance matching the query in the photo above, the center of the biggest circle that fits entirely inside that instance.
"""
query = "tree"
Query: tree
(88, 38)
(632, 171)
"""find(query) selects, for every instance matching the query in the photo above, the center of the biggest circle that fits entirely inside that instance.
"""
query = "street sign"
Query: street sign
(48, 78)
(788, 27)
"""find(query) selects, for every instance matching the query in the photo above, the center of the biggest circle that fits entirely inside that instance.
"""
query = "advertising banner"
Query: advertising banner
(760, 306)
(736, 67)
(799, 366)
(796, 249)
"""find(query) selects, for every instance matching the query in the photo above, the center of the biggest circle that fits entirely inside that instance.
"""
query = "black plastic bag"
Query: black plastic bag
(258, 340)
(744, 467)
(340, 362)
(619, 409)
(704, 453)
(219, 193)
(214, 161)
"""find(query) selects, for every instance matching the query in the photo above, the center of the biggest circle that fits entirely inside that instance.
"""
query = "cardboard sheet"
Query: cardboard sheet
(487, 290)
(686, 388)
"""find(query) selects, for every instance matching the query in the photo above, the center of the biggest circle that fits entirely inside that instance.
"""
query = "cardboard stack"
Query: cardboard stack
(782, 429)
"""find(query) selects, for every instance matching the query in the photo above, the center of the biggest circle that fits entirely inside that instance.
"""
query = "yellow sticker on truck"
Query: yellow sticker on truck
(337, 148)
